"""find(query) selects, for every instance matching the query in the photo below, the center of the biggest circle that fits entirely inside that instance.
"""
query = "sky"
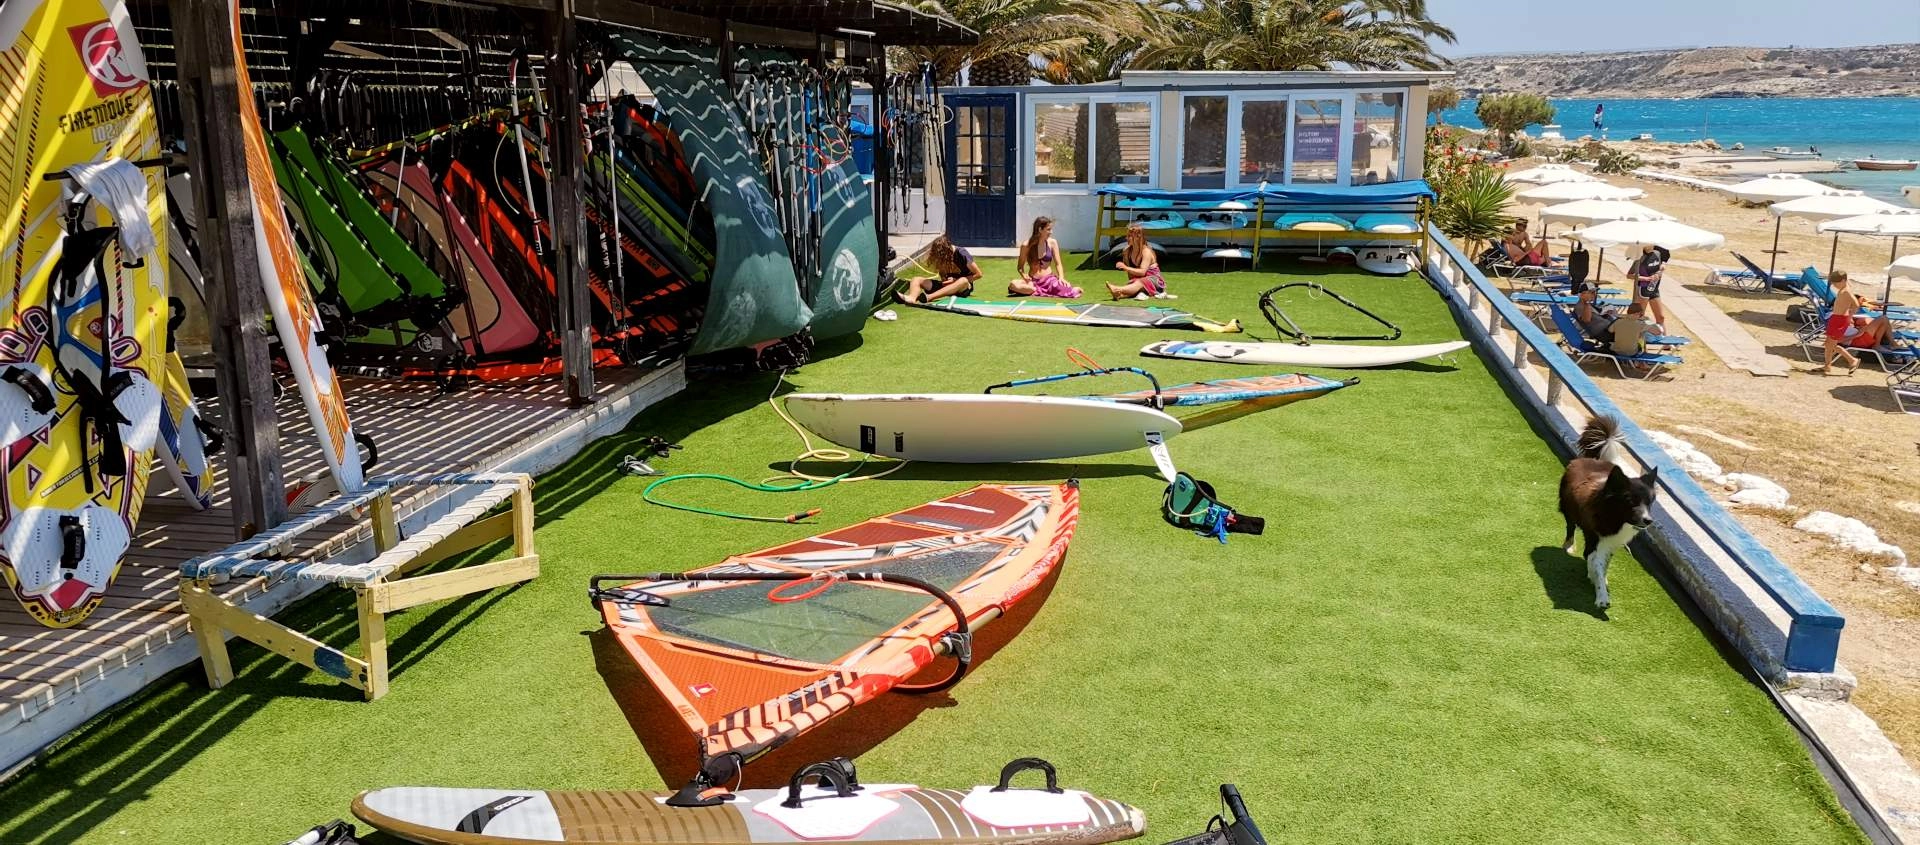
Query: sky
(1520, 26)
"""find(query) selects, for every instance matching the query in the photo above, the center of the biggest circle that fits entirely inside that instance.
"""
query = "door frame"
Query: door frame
(1006, 104)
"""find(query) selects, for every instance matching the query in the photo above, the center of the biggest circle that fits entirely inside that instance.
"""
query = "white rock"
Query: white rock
(1850, 533)
(1755, 491)
(1694, 461)
(1908, 574)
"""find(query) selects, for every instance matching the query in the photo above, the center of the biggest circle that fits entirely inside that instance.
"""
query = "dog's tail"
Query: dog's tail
(1602, 439)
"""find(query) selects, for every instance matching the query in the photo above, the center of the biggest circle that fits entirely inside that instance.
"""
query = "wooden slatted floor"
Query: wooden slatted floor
(45, 675)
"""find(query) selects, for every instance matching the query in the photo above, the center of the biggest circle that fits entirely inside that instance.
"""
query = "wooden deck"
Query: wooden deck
(53, 681)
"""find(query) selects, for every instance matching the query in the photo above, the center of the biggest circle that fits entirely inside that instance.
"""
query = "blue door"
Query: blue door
(979, 147)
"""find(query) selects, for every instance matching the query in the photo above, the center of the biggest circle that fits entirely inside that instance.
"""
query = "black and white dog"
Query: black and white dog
(1603, 500)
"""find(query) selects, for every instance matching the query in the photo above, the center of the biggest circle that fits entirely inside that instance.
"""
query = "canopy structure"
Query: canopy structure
(1899, 223)
(1547, 174)
(1671, 234)
(1777, 187)
(1833, 205)
(1905, 267)
(1589, 212)
(1559, 192)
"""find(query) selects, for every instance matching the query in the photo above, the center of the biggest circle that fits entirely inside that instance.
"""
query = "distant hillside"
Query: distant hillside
(1887, 70)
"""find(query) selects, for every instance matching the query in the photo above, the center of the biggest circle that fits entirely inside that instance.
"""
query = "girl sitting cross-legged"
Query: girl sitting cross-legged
(1039, 266)
(1142, 267)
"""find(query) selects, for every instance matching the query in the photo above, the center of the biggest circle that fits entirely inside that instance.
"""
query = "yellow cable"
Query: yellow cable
(812, 453)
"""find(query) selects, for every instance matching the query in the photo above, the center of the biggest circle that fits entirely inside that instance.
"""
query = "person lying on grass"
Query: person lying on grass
(1040, 267)
(1142, 267)
(956, 274)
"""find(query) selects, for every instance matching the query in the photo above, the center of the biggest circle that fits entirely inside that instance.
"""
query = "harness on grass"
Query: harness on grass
(1191, 504)
(1275, 316)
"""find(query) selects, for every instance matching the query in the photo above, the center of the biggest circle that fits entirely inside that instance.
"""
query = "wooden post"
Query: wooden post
(236, 301)
(569, 190)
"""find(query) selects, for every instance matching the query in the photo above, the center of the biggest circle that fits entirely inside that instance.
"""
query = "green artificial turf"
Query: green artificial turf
(1405, 656)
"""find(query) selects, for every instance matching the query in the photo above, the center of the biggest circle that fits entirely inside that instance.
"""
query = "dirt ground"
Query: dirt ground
(1836, 443)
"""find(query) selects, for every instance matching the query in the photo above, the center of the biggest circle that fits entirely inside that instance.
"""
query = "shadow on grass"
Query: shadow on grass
(1564, 577)
(675, 752)
(143, 741)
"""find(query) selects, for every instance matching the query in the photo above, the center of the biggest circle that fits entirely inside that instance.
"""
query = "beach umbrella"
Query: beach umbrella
(1775, 187)
(1820, 208)
(1560, 192)
(1901, 222)
(1547, 174)
(1905, 267)
(1670, 234)
(1589, 212)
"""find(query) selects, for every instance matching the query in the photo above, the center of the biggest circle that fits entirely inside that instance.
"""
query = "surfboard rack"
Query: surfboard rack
(381, 585)
(1275, 316)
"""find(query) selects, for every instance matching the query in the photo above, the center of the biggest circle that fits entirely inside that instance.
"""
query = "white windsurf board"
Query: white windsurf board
(1332, 355)
(977, 428)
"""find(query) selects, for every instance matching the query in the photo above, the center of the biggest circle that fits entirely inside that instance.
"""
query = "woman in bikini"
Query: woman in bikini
(1039, 266)
(1142, 267)
(957, 274)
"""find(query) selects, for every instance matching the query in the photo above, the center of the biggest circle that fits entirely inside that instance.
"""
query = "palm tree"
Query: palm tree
(1011, 32)
(1295, 35)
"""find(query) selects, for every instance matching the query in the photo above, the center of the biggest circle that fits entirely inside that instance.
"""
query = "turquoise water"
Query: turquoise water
(1887, 127)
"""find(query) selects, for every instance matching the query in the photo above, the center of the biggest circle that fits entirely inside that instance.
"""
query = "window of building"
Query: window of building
(1090, 140)
(1316, 141)
(1377, 121)
(1203, 142)
(1123, 143)
(1060, 143)
(1263, 141)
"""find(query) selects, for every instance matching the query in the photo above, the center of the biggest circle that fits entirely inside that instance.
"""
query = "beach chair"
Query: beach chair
(1537, 304)
(1814, 286)
(380, 585)
(1582, 349)
(1812, 337)
(1750, 277)
(1904, 383)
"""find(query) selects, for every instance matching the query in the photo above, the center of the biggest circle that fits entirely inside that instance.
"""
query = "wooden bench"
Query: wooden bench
(380, 585)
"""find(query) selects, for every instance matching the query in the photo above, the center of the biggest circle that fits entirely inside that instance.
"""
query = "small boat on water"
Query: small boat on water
(1871, 163)
(1551, 132)
(1790, 153)
(1644, 136)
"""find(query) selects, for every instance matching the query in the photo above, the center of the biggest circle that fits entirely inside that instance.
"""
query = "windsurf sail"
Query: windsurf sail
(1278, 390)
(1080, 314)
(757, 649)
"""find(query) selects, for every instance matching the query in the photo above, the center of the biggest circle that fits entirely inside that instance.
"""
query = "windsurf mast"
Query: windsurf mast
(1275, 316)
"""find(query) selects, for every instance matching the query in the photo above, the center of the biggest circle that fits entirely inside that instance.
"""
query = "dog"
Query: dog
(1608, 504)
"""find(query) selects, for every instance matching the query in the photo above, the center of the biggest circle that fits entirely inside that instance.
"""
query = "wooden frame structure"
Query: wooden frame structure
(381, 585)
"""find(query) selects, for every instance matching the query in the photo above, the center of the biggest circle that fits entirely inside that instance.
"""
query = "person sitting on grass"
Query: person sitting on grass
(956, 269)
(1142, 267)
(1040, 266)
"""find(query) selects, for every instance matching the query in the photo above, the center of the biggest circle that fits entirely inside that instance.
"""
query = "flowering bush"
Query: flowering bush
(1473, 194)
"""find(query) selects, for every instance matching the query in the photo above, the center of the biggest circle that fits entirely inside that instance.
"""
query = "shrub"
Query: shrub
(1616, 161)
(1510, 113)
(1473, 211)
(1517, 147)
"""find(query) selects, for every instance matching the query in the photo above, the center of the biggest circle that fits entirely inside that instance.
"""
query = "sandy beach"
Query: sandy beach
(1837, 443)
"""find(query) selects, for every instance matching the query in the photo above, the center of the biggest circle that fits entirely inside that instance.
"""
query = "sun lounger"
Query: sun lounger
(1751, 277)
(1904, 383)
(379, 585)
(1537, 298)
(1812, 337)
(1582, 349)
(1812, 284)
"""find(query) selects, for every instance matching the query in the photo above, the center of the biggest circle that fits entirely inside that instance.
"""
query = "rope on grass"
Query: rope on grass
(792, 481)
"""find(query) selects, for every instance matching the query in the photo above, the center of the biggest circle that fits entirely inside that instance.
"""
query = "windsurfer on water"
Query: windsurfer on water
(1599, 117)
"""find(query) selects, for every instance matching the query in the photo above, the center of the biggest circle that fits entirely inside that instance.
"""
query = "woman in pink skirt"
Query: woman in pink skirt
(1039, 266)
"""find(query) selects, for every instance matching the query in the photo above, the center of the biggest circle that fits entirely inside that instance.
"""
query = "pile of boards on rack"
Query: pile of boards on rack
(403, 231)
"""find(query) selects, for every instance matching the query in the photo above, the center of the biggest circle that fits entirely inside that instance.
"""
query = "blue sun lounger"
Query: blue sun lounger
(1582, 348)
(1751, 277)
(1813, 283)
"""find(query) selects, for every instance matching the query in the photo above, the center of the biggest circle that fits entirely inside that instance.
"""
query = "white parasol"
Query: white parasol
(1905, 267)
(1547, 174)
(1831, 206)
(1589, 212)
(1903, 222)
(1559, 192)
(1775, 187)
(1670, 234)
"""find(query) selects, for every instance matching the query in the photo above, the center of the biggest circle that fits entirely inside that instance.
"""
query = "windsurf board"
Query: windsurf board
(977, 428)
(288, 297)
(75, 318)
(1331, 355)
(1080, 314)
(184, 451)
(877, 813)
(1290, 387)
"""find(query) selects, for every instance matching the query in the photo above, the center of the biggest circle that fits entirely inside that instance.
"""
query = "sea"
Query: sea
(1842, 129)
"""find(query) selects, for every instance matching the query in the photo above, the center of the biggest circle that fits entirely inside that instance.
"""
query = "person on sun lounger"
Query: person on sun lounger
(1630, 332)
(1596, 321)
(1142, 267)
(956, 269)
(1040, 266)
(1847, 329)
(1523, 250)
